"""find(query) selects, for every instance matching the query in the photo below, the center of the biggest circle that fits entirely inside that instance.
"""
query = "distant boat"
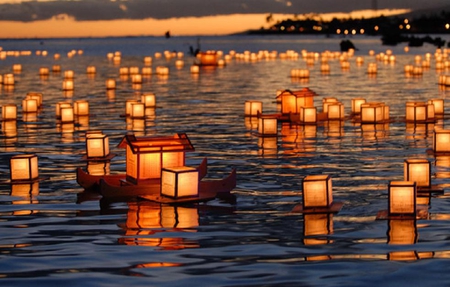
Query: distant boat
(167, 34)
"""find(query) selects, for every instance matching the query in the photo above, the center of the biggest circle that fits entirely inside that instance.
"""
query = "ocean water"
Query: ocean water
(54, 233)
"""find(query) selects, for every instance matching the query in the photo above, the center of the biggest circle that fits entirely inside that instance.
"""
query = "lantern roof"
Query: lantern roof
(138, 145)
(304, 92)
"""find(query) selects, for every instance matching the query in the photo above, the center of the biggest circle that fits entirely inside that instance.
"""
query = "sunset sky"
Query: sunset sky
(93, 18)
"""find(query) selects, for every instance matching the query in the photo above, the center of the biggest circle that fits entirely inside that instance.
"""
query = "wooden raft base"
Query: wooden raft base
(202, 197)
(421, 213)
(334, 208)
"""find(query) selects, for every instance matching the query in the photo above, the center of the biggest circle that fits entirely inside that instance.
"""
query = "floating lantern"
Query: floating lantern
(402, 198)
(137, 110)
(146, 156)
(195, 69)
(56, 68)
(91, 70)
(267, 125)
(252, 108)
(36, 96)
(372, 69)
(110, 84)
(356, 105)
(134, 70)
(317, 192)
(308, 115)
(300, 73)
(179, 182)
(438, 105)
(24, 167)
(69, 74)
(208, 58)
(162, 71)
(419, 171)
(29, 105)
(81, 108)
(416, 111)
(149, 100)
(179, 64)
(326, 102)
(17, 68)
(44, 71)
(441, 141)
(291, 101)
(128, 106)
(147, 61)
(373, 113)
(67, 115)
(97, 145)
(9, 112)
(146, 71)
(335, 111)
(60, 105)
(67, 85)
(136, 79)
(8, 80)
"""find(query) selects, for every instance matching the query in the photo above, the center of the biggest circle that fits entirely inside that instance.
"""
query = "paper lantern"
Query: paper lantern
(8, 80)
(134, 70)
(317, 191)
(438, 106)
(179, 64)
(195, 69)
(91, 70)
(416, 111)
(29, 105)
(149, 100)
(252, 108)
(267, 126)
(441, 141)
(146, 71)
(402, 198)
(129, 107)
(67, 115)
(308, 115)
(146, 156)
(67, 85)
(326, 102)
(44, 71)
(69, 74)
(137, 110)
(179, 182)
(9, 112)
(356, 105)
(60, 105)
(419, 171)
(81, 108)
(110, 84)
(335, 111)
(136, 79)
(147, 61)
(124, 71)
(24, 167)
(37, 96)
(97, 146)
(291, 101)
(208, 58)
(56, 68)
(373, 113)
(17, 68)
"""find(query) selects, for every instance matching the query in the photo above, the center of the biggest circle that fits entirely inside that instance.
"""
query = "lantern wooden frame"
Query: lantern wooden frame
(179, 182)
(24, 168)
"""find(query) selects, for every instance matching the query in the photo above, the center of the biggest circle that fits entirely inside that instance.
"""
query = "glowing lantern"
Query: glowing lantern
(267, 126)
(44, 71)
(110, 84)
(162, 71)
(335, 111)
(179, 182)
(137, 110)
(308, 115)
(253, 108)
(402, 198)
(81, 108)
(179, 64)
(60, 105)
(24, 167)
(136, 79)
(8, 79)
(67, 85)
(326, 102)
(208, 58)
(134, 70)
(146, 71)
(68, 75)
(146, 156)
(356, 105)
(291, 101)
(195, 69)
(9, 112)
(419, 171)
(438, 106)
(416, 111)
(91, 70)
(97, 145)
(36, 96)
(372, 113)
(147, 61)
(29, 105)
(372, 69)
(56, 68)
(67, 115)
(441, 140)
(149, 100)
(129, 107)
(17, 68)
(317, 192)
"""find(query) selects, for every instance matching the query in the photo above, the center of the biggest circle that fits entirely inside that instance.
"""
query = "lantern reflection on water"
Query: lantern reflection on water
(316, 227)
(402, 232)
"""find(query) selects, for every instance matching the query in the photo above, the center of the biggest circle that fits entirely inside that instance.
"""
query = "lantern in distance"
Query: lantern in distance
(110, 84)
(441, 141)
(97, 146)
(136, 78)
(67, 115)
(67, 85)
(36, 96)
(146, 71)
(134, 70)
(308, 115)
(335, 111)
(81, 108)
(68, 75)
(56, 68)
(416, 111)
(317, 191)
(438, 105)
(9, 112)
(267, 126)
(17, 68)
(149, 100)
(147, 60)
(24, 167)
(44, 71)
(128, 106)
(29, 105)
(60, 105)
(419, 171)
(327, 101)
(8, 80)
(356, 105)
(179, 182)
(195, 69)
(253, 108)
(137, 110)
(372, 113)
(402, 198)
(91, 70)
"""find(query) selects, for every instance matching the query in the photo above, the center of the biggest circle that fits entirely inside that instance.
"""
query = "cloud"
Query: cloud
(83, 10)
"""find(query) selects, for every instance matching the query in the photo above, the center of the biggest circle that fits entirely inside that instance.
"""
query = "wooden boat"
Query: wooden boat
(208, 189)
(92, 182)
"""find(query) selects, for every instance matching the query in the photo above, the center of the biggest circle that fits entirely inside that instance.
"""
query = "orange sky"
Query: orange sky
(65, 26)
